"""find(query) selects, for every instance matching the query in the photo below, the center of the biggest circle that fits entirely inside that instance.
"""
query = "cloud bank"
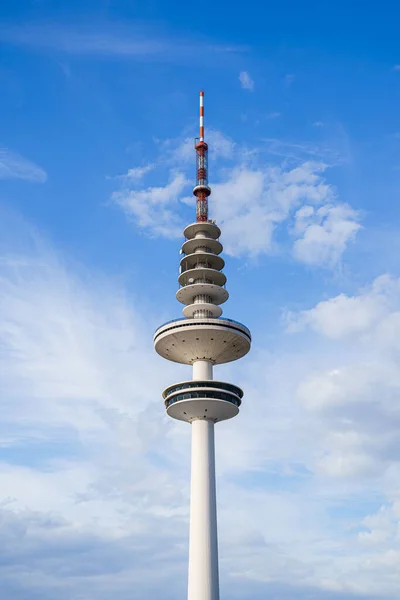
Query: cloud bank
(94, 480)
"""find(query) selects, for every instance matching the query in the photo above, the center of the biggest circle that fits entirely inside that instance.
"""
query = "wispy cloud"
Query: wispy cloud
(137, 173)
(273, 115)
(75, 41)
(15, 166)
(292, 151)
(152, 208)
(221, 147)
(289, 78)
(246, 81)
(396, 68)
(119, 40)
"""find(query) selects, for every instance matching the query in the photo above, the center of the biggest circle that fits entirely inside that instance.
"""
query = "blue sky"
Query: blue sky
(98, 111)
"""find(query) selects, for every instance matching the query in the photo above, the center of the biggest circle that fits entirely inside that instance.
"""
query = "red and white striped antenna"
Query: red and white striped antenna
(201, 189)
(201, 116)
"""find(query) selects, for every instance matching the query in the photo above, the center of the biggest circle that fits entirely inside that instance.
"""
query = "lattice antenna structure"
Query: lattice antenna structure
(201, 190)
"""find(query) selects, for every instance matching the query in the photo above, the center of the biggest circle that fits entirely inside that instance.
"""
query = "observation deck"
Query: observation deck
(217, 340)
(212, 400)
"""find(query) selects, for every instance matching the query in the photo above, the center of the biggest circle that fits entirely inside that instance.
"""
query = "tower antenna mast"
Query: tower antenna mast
(201, 190)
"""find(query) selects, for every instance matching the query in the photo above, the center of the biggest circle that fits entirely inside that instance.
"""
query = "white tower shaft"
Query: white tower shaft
(203, 545)
(202, 370)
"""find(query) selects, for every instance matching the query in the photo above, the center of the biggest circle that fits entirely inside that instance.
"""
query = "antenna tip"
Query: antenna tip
(201, 93)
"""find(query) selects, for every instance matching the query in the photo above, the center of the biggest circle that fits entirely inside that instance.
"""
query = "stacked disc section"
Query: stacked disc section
(201, 279)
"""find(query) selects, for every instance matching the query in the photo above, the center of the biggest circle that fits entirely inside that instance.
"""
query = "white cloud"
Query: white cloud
(183, 152)
(246, 81)
(221, 147)
(153, 208)
(14, 166)
(137, 173)
(252, 203)
(344, 316)
(324, 233)
(68, 344)
(354, 392)
(382, 526)
(247, 225)
(273, 115)
(344, 461)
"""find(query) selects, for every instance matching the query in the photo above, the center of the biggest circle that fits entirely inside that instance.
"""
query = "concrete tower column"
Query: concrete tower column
(203, 546)
(202, 370)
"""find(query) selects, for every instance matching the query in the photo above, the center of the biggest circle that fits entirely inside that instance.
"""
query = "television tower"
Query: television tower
(203, 339)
